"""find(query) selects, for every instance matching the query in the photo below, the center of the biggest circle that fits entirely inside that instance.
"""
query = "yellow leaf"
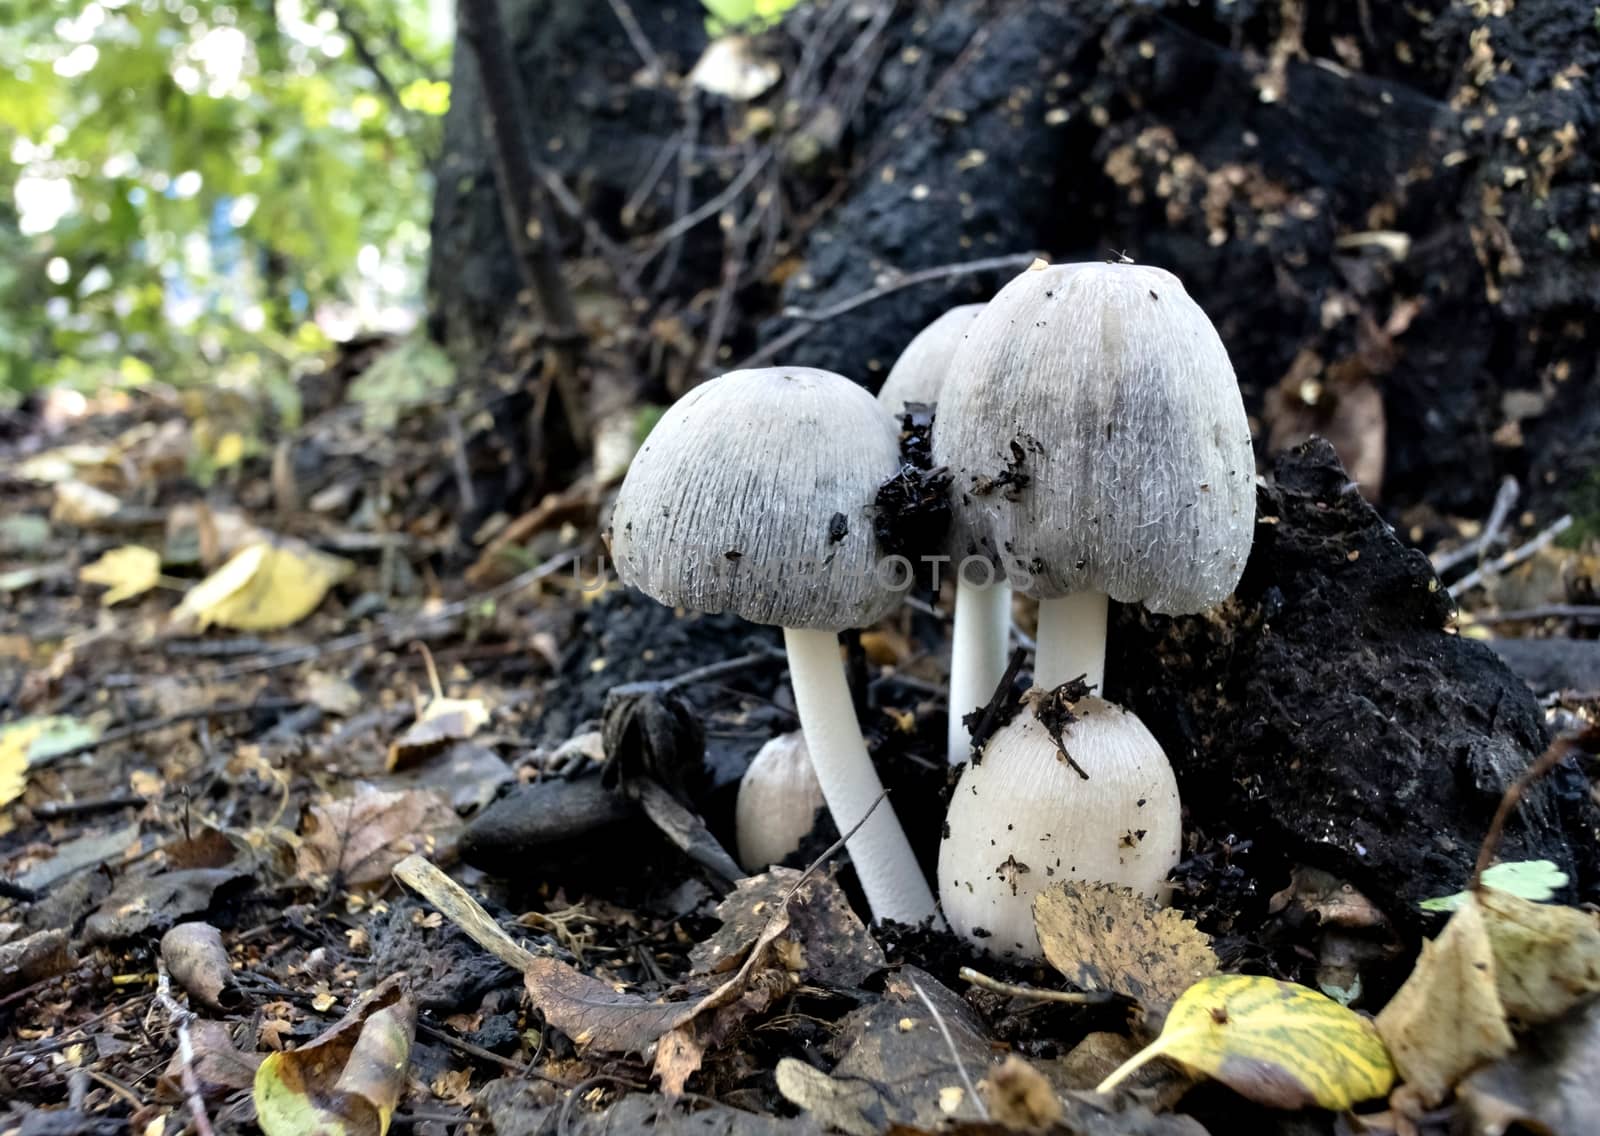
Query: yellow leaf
(1103, 937)
(81, 504)
(1447, 1018)
(127, 571)
(229, 449)
(1275, 1043)
(1547, 957)
(34, 740)
(264, 587)
(444, 722)
(346, 1081)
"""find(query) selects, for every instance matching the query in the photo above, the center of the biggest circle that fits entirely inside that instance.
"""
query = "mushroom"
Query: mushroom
(1064, 791)
(778, 802)
(919, 374)
(753, 495)
(1100, 448)
(982, 628)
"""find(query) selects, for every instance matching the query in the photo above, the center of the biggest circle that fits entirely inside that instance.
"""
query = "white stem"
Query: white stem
(882, 856)
(1072, 641)
(977, 655)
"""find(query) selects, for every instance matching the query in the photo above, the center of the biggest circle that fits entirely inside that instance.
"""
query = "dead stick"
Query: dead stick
(458, 906)
(180, 1018)
(1586, 740)
(1068, 997)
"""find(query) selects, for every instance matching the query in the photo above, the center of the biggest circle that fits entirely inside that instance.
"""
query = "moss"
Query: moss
(1583, 502)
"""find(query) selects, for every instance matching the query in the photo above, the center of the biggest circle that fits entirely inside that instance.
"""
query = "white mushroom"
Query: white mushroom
(778, 802)
(1100, 447)
(1025, 817)
(753, 494)
(982, 628)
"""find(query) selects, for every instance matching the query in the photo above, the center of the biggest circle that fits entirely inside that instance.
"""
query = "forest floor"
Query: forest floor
(246, 726)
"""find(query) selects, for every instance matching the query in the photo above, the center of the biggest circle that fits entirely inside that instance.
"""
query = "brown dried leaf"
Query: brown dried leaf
(361, 839)
(1019, 1096)
(348, 1079)
(154, 903)
(1102, 937)
(444, 722)
(837, 947)
(39, 956)
(1447, 1018)
(219, 1067)
(199, 963)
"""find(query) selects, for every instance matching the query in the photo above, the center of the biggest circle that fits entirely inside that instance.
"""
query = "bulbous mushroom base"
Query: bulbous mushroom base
(1025, 817)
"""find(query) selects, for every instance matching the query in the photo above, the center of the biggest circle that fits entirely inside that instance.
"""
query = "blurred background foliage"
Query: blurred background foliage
(197, 191)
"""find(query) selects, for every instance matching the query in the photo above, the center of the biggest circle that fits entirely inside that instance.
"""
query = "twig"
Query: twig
(658, 241)
(458, 463)
(810, 319)
(713, 671)
(490, 1057)
(690, 101)
(1586, 740)
(615, 256)
(453, 901)
(1034, 993)
(180, 1018)
(1583, 613)
(1513, 558)
(833, 849)
(636, 36)
(736, 240)
(1504, 500)
(950, 1043)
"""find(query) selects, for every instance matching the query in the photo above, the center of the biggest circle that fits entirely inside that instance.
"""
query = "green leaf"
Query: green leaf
(1538, 880)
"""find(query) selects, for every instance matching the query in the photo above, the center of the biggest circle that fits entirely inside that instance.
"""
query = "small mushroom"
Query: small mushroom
(982, 627)
(762, 461)
(1100, 447)
(778, 802)
(1096, 801)
(919, 374)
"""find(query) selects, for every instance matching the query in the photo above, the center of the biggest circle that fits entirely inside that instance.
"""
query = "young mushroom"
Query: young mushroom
(1066, 790)
(753, 494)
(982, 627)
(778, 802)
(1100, 447)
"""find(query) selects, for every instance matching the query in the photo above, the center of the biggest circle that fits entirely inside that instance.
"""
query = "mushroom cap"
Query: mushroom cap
(778, 802)
(754, 494)
(1098, 441)
(1023, 818)
(919, 374)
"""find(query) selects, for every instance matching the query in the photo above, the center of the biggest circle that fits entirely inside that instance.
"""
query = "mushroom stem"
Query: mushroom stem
(977, 655)
(1072, 640)
(884, 862)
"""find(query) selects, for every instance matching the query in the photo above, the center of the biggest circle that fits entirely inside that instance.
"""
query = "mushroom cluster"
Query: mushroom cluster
(1100, 451)
(1091, 423)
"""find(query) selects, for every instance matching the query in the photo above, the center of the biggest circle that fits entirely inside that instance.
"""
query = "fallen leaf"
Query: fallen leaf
(154, 903)
(894, 1062)
(62, 463)
(219, 1068)
(127, 571)
(347, 1080)
(34, 741)
(361, 838)
(332, 694)
(443, 722)
(1550, 1085)
(198, 961)
(1102, 937)
(264, 587)
(1547, 958)
(1538, 880)
(80, 504)
(1276, 1043)
(1019, 1097)
(41, 955)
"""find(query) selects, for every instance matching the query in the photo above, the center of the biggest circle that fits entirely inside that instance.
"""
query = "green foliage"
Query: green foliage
(747, 15)
(1535, 880)
(1583, 502)
(194, 189)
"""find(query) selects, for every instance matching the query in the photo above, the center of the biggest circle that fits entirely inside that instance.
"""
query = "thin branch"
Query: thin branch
(810, 318)
(658, 241)
(181, 1018)
(950, 1043)
(1036, 994)
(636, 36)
(1511, 559)
(1504, 500)
(1583, 613)
(1586, 740)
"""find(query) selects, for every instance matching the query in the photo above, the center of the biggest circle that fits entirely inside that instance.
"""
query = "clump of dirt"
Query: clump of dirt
(1330, 715)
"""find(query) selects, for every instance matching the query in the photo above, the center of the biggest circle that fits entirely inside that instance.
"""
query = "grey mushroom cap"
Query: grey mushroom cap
(754, 494)
(1098, 441)
(919, 374)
